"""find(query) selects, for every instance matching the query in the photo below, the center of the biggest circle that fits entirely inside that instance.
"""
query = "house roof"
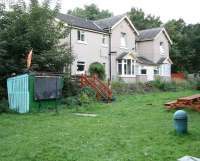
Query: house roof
(122, 55)
(151, 34)
(139, 59)
(101, 25)
(109, 22)
(79, 22)
(145, 61)
(162, 60)
(148, 34)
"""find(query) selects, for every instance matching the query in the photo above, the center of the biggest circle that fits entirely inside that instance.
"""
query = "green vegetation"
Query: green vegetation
(98, 69)
(90, 12)
(120, 87)
(31, 27)
(135, 127)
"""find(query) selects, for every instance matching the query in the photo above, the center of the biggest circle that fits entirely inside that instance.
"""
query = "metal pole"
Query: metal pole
(110, 66)
(70, 44)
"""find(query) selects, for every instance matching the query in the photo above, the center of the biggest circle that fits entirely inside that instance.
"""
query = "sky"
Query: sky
(189, 10)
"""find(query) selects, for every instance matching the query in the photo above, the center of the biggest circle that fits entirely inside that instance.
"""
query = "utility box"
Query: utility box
(34, 90)
(180, 121)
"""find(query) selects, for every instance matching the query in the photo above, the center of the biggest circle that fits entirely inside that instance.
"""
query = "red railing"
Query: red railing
(101, 89)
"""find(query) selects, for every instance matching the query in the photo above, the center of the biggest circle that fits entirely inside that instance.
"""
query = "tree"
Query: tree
(33, 27)
(90, 12)
(142, 21)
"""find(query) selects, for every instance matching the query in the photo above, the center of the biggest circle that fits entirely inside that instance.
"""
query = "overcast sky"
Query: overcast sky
(189, 10)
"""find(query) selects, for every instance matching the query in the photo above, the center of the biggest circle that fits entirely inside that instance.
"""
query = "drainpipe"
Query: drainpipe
(109, 55)
(70, 49)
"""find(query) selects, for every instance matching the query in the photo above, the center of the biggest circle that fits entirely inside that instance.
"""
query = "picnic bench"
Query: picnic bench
(192, 102)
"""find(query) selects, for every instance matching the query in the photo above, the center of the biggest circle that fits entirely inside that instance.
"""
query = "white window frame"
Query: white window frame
(80, 71)
(156, 69)
(162, 50)
(81, 38)
(123, 40)
(165, 70)
(124, 63)
(104, 40)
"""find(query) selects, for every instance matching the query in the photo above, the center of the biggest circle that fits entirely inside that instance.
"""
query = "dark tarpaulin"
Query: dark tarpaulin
(48, 87)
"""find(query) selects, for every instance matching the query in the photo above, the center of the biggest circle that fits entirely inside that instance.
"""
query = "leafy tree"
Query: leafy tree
(33, 27)
(142, 21)
(90, 12)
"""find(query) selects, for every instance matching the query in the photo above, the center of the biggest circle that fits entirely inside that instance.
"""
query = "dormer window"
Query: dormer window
(81, 35)
(123, 39)
(162, 50)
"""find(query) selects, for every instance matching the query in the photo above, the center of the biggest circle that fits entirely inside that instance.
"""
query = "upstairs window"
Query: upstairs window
(104, 40)
(81, 35)
(123, 39)
(162, 50)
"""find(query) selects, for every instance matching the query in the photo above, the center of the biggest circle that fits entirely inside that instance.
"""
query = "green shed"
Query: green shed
(33, 91)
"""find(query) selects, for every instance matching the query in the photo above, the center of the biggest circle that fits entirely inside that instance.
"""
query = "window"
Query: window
(120, 67)
(133, 67)
(143, 71)
(162, 50)
(156, 71)
(126, 67)
(80, 35)
(123, 39)
(165, 69)
(104, 39)
(80, 66)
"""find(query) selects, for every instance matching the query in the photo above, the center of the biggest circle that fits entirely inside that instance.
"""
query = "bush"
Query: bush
(198, 85)
(71, 101)
(85, 96)
(98, 69)
(4, 106)
(71, 87)
(157, 85)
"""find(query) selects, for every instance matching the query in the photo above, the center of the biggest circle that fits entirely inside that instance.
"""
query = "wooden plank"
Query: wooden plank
(170, 103)
(196, 96)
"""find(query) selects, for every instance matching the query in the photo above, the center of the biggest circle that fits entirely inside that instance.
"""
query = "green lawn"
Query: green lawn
(134, 128)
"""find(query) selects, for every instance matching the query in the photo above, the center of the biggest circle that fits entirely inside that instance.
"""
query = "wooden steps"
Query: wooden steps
(101, 89)
(192, 102)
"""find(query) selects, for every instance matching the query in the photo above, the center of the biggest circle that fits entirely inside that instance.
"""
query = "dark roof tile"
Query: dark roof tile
(145, 61)
(149, 34)
(109, 22)
(79, 22)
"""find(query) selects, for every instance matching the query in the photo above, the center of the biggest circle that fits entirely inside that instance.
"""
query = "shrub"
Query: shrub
(86, 96)
(157, 85)
(71, 87)
(198, 85)
(71, 101)
(98, 69)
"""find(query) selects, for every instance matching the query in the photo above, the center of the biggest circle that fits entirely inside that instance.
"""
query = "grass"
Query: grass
(134, 128)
